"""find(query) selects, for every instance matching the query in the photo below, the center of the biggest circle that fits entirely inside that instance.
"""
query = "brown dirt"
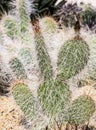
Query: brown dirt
(10, 114)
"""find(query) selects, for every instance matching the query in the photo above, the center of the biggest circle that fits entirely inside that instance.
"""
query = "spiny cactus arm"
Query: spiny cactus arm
(80, 111)
(53, 97)
(72, 58)
(25, 100)
(24, 13)
(42, 54)
(11, 27)
(43, 58)
(17, 68)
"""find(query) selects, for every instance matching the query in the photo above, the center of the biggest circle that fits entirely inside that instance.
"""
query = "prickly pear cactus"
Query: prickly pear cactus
(46, 88)
(25, 100)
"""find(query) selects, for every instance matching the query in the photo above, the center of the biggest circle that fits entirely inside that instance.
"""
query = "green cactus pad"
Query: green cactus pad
(25, 100)
(17, 68)
(53, 96)
(81, 110)
(23, 16)
(72, 58)
(12, 28)
(43, 58)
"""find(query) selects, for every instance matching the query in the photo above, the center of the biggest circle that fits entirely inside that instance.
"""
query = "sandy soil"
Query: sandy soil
(10, 114)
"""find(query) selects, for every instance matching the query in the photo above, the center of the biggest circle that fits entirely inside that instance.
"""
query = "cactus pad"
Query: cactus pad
(23, 16)
(81, 110)
(53, 96)
(17, 68)
(43, 58)
(12, 28)
(25, 100)
(72, 58)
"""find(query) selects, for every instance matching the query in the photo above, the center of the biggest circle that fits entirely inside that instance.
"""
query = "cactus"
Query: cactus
(5, 79)
(72, 58)
(17, 68)
(25, 100)
(81, 110)
(24, 26)
(53, 96)
(42, 53)
(49, 25)
(23, 16)
(12, 29)
(43, 58)
(26, 56)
